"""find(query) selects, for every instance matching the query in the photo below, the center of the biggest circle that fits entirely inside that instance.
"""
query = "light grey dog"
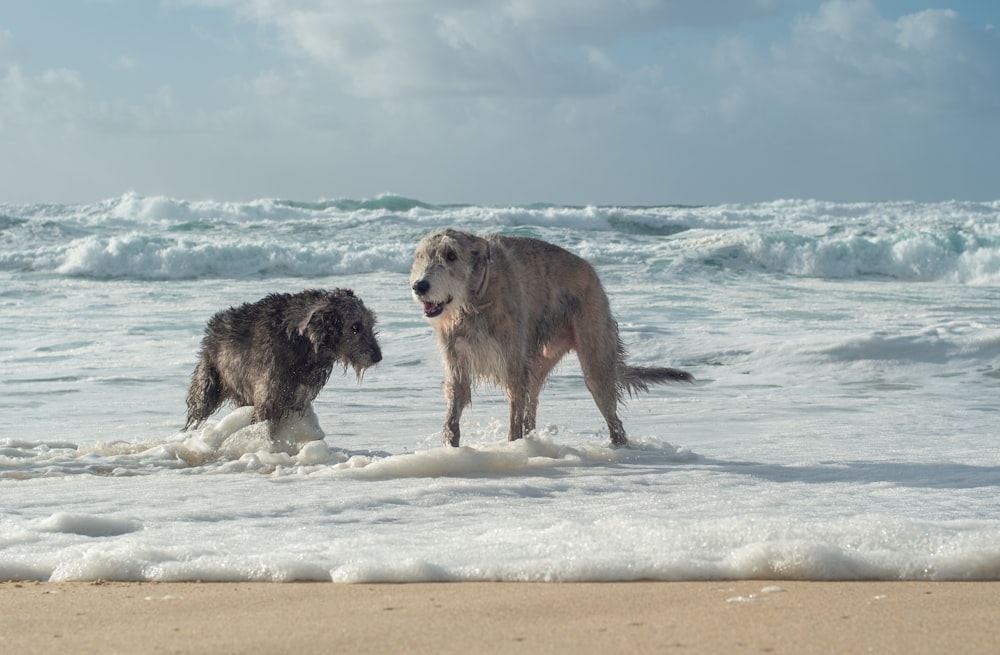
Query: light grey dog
(277, 353)
(506, 310)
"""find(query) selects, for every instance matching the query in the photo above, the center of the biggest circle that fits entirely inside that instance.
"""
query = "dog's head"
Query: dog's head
(340, 328)
(449, 270)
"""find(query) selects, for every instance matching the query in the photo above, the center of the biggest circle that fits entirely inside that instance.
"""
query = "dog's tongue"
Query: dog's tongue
(432, 309)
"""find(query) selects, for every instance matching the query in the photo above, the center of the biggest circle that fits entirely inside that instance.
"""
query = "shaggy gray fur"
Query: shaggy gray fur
(277, 353)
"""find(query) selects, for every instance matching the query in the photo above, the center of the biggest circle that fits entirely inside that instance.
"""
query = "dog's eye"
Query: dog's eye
(450, 255)
(356, 328)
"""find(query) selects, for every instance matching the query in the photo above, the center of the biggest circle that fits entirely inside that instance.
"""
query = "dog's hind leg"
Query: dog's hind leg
(541, 366)
(601, 382)
(272, 402)
(601, 352)
(205, 394)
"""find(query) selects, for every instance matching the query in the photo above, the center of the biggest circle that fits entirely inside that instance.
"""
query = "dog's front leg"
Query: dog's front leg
(458, 393)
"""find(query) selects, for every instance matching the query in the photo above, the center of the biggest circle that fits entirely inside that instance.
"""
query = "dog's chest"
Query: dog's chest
(310, 381)
(478, 352)
(305, 393)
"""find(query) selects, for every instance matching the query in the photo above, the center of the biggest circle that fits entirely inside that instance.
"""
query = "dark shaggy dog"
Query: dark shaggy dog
(506, 309)
(277, 353)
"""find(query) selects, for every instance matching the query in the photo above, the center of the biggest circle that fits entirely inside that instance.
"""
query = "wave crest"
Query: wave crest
(151, 238)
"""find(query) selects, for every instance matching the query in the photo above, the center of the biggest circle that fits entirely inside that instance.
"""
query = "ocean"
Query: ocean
(845, 422)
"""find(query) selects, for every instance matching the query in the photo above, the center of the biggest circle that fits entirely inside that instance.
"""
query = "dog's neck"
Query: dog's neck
(473, 308)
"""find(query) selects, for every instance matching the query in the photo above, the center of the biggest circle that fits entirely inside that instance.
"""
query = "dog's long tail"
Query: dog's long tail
(635, 379)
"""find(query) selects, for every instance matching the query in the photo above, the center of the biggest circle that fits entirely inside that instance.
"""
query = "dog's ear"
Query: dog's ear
(321, 325)
(478, 249)
(481, 252)
(480, 255)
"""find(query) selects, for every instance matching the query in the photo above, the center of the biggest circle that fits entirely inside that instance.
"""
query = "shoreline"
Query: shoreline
(500, 617)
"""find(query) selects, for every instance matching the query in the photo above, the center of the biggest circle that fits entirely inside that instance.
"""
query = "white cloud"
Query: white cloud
(52, 98)
(62, 78)
(411, 51)
(268, 83)
(7, 45)
(36, 100)
(848, 57)
(125, 63)
(844, 52)
(384, 49)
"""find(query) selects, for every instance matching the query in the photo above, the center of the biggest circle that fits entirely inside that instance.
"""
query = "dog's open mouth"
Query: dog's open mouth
(432, 309)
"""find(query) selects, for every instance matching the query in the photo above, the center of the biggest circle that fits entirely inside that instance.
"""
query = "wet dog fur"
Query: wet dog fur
(506, 310)
(277, 353)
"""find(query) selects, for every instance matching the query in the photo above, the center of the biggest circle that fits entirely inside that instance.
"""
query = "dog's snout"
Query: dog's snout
(420, 287)
(376, 355)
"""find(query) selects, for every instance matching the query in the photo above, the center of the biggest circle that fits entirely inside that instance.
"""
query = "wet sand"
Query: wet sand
(578, 618)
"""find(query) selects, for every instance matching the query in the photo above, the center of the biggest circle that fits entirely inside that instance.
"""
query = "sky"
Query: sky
(637, 102)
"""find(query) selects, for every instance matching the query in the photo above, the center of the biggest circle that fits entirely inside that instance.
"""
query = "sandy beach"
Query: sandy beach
(583, 618)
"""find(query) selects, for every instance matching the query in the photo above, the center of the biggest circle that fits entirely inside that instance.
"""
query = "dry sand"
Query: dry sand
(578, 618)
